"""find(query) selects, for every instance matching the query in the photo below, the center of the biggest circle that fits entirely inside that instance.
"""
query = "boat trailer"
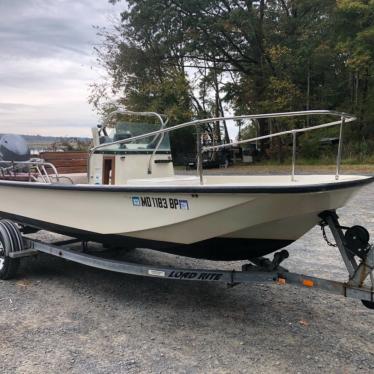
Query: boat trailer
(352, 242)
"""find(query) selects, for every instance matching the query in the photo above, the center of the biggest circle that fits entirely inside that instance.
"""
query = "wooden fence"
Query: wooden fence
(67, 162)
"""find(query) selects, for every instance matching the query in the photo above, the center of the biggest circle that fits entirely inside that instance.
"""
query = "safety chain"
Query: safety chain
(323, 224)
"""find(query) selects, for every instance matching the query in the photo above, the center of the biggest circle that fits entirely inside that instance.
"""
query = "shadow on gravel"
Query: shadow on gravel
(203, 298)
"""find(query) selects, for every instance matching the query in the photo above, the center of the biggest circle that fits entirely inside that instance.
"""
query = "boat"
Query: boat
(134, 199)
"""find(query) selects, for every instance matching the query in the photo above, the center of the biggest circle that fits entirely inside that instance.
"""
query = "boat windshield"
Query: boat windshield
(127, 129)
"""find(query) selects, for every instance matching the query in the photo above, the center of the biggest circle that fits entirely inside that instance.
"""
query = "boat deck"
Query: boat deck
(253, 180)
(246, 180)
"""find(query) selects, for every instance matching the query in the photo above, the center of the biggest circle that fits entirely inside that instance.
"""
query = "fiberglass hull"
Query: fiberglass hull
(217, 221)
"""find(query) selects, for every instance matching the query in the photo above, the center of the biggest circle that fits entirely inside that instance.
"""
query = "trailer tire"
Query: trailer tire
(10, 241)
(8, 267)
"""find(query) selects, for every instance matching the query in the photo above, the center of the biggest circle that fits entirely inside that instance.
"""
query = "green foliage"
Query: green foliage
(190, 59)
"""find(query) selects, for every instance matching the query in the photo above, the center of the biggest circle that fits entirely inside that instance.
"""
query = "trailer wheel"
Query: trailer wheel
(10, 241)
(8, 265)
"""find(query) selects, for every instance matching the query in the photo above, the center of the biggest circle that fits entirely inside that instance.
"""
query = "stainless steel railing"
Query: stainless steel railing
(38, 165)
(121, 110)
(343, 119)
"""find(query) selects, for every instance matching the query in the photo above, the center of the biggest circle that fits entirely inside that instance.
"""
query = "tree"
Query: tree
(194, 58)
(355, 42)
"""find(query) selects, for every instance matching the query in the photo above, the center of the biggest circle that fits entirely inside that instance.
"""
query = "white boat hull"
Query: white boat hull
(241, 218)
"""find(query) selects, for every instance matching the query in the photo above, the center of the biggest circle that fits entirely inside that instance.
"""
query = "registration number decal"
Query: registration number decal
(160, 202)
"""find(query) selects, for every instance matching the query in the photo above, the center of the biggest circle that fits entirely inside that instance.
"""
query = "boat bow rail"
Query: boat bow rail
(343, 119)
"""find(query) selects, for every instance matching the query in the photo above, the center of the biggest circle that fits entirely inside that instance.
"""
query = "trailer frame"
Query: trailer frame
(360, 265)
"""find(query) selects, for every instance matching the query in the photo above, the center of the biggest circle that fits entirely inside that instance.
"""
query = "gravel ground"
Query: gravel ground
(61, 317)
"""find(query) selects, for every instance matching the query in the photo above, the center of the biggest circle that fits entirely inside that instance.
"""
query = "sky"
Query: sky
(47, 63)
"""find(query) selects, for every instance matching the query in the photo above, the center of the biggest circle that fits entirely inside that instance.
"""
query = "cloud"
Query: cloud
(6, 108)
(47, 63)
(36, 28)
